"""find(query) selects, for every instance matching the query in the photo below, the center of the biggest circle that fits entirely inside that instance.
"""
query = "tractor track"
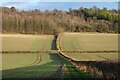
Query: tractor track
(38, 60)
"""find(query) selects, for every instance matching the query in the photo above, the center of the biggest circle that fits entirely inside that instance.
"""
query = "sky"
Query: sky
(61, 5)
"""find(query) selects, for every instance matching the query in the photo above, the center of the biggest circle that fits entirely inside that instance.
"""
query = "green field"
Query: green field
(48, 65)
(26, 42)
(89, 42)
(93, 56)
(11, 61)
(30, 66)
(39, 65)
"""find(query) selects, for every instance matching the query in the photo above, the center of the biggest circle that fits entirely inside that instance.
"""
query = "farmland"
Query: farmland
(51, 43)
(96, 54)
(26, 42)
(93, 56)
(35, 65)
(30, 65)
(89, 42)
(11, 61)
(97, 43)
(17, 65)
(53, 64)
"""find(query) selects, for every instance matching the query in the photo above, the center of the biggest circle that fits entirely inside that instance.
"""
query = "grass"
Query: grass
(26, 42)
(41, 65)
(71, 72)
(27, 65)
(89, 42)
(11, 61)
(45, 65)
(93, 56)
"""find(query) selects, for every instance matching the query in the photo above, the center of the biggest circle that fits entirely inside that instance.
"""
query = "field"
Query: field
(30, 65)
(72, 42)
(35, 65)
(89, 42)
(54, 65)
(26, 42)
(93, 56)
(11, 61)
(96, 54)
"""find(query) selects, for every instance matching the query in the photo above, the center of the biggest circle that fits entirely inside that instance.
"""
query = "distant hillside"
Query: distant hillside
(50, 22)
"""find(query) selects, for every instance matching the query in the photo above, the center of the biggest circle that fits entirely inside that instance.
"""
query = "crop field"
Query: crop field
(30, 65)
(21, 65)
(89, 42)
(35, 65)
(96, 54)
(26, 42)
(93, 56)
(11, 61)
(92, 43)
(54, 65)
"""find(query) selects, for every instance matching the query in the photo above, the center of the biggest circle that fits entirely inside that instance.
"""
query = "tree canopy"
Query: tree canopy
(50, 22)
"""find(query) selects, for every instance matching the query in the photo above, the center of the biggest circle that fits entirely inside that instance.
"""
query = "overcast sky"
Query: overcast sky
(63, 5)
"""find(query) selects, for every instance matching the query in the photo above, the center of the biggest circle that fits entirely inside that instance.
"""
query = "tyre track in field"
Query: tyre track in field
(59, 71)
(38, 59)
(45, 74)
(53, 74)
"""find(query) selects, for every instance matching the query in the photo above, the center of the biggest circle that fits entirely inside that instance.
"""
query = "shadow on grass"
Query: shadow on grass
(48, 71)
(108, 69)
(53, 44)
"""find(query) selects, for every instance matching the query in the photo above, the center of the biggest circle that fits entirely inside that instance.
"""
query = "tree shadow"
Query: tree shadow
(40, 71)
(70, 72)
(56, 57)
(48, 71)
(53, 44)
(108, 69)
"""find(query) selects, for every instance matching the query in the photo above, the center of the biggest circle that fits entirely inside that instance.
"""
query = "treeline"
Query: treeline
(56, 21)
